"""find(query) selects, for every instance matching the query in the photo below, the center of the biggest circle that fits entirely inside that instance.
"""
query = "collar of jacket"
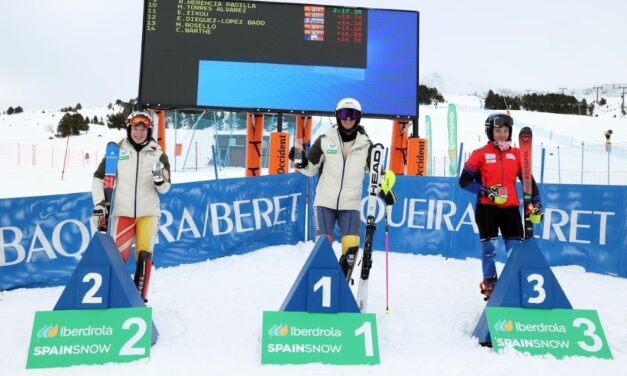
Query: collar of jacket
(361, 139)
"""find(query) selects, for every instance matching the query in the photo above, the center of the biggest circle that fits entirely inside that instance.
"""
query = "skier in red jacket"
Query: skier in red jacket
(491, 173)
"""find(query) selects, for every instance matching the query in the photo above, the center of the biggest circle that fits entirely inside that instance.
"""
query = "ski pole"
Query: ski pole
(387, 248)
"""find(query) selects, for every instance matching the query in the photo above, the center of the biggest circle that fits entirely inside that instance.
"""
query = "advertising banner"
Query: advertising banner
(559, 332)
(331, 338)
(92, 336)
(42, 238)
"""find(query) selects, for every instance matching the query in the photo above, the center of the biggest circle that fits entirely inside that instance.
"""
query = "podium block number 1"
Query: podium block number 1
(323, 291)
(366, 330)
(92, 286)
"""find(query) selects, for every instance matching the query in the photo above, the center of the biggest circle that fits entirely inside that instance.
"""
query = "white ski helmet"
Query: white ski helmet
(350, 107)
(139, 117)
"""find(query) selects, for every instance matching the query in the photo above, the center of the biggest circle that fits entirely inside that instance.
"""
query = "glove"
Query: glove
(292, 156)
(99, 216)
(157, 173)
(386, 193)
(536, 215)
(493, 194)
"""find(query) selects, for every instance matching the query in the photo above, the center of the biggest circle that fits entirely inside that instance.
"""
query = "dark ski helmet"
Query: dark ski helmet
(498, 121)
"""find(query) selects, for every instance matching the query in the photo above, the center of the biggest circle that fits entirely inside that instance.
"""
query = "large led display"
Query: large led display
(275, 57)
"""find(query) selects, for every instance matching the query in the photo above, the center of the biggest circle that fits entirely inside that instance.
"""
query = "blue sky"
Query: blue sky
(58, 53)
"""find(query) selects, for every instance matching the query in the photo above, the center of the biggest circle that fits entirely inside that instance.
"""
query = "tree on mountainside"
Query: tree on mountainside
(10, 111)
(72, 124)
(118, 120)
(429, 95)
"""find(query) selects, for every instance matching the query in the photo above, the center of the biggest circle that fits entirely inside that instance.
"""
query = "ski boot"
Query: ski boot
(347, 262)
(142, 273)
(487, 286)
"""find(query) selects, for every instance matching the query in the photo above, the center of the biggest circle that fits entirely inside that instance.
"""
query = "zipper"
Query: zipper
(339, 193)
(136, 185)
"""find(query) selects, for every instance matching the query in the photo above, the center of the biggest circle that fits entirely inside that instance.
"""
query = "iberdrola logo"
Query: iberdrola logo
(48, 331)
(504, 325)
(278, 330)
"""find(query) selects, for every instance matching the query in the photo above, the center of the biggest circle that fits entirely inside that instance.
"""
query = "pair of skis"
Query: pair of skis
(374, 187)
(111, 170)
(525, 137)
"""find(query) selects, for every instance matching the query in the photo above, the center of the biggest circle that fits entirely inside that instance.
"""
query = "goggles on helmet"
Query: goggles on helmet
(345, 113)
(140, 120)
(502, 121)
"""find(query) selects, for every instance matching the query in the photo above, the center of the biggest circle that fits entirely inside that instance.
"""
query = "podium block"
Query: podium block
(101, 280)
(308, 294)
(527, 281)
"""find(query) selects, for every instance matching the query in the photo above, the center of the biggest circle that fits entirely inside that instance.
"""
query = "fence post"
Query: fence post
(542, 165)
(559, 166)
(581, 162)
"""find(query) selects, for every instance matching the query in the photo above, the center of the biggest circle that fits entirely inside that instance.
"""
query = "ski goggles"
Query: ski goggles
(502, 121)
(140, 120)
(345, 113)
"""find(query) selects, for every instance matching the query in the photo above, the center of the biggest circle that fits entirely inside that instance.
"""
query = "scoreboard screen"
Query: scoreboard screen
(277, 57)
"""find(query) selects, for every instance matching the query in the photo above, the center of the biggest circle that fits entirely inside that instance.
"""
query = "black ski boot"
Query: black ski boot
(347, 262)
(142, 273)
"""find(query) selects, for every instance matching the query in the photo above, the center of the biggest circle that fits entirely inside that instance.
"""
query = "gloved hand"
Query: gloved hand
(299, 164)
(99, 216)
(157, 173)
(386, 193)
(493, 194)
(536, 215)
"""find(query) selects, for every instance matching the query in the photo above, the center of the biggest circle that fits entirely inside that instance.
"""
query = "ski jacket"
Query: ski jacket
(136, 195)
(489, 166)
(341, 181)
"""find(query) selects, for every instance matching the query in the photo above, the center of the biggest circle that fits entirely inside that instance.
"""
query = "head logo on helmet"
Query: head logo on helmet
(498, 121)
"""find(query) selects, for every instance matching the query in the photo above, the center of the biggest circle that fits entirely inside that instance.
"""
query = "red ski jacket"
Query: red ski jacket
(489, 166)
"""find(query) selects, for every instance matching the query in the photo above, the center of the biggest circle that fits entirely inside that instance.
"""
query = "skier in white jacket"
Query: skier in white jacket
(143, 173)
(341, 156)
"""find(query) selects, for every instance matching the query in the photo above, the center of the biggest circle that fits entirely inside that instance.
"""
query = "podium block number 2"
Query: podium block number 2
(92, 286)
(537, 288)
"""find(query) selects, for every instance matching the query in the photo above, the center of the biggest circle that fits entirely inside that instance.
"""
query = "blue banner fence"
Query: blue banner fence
(42, 238)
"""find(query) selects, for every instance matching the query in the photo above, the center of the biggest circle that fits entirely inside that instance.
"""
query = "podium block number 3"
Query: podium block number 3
(92, 286)
(537, 288)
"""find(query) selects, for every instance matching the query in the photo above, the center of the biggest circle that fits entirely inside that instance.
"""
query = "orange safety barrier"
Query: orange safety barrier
(279, 144)
(161, 129)
(417, 156)
(303, 130)
(398, 146)
(254, 134)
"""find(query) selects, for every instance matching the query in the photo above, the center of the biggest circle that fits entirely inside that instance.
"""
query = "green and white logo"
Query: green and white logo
(332, 148)
(559, 332)
(95, 336)
(332, 338)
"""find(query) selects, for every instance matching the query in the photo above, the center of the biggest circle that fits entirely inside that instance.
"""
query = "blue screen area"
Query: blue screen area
(387, 87)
